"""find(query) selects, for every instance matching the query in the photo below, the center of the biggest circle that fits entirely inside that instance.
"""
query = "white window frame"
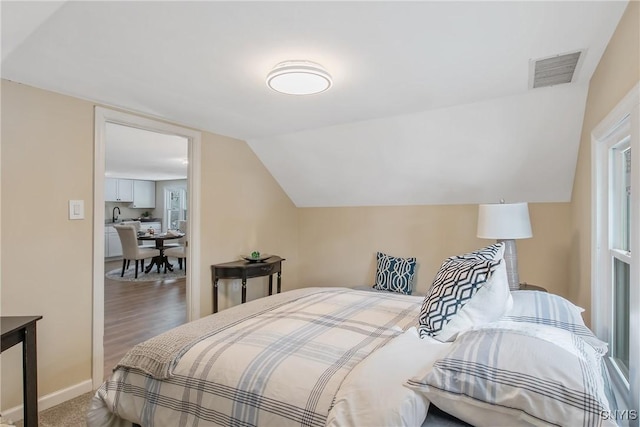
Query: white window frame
(167, 205)
(623, 119)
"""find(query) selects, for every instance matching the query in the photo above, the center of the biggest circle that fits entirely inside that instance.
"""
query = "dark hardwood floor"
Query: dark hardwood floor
(137, 311)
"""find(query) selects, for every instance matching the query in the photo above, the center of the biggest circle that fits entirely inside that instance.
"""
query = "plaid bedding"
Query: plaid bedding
(281, 366)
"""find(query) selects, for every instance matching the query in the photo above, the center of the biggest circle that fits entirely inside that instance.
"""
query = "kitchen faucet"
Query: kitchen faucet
(114, 218)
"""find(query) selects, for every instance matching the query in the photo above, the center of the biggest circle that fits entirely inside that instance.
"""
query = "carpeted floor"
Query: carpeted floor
(152, 276)
(72, 413)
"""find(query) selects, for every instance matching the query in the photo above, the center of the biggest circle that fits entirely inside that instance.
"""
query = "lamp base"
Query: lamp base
(511, 262)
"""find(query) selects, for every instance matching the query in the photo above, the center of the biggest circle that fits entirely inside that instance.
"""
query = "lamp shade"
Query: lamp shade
(504, 221)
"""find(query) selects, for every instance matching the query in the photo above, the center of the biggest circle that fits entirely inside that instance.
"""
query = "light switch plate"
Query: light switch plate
(76, 209)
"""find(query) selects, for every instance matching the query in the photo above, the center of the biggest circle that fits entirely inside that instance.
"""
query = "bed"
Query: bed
(348, 357)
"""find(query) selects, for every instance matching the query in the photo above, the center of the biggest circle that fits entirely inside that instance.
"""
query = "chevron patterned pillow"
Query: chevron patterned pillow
(457, 281)
(394, 274)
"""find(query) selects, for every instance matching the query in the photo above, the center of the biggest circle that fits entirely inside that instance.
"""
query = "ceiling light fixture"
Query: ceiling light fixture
(299, 78)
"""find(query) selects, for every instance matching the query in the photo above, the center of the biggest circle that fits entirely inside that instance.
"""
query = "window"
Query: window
(615, 262)
(620, 249)
(176, 206)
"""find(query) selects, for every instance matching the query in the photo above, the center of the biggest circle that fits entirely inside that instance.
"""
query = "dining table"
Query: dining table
(160, 261)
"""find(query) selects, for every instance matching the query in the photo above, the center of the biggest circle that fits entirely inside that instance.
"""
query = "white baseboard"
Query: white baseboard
(50, 400)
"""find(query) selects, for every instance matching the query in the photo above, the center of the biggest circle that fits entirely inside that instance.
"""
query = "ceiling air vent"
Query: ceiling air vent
(553, 70)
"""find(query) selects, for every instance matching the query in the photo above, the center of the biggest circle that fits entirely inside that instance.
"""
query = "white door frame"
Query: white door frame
(102, 117)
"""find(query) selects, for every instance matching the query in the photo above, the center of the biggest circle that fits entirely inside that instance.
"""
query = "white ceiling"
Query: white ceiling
(430, 102)
(140, 154)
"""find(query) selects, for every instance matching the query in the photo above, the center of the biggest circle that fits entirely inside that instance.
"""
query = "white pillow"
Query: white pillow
(502, 377)
(490, 303)
(374, 394)
(552, 310)
(459, 299)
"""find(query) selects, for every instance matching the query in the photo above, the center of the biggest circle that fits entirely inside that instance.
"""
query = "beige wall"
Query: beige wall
(244, 209)
(47, 159)
(617, 72)
(47, 152)
(338, 245)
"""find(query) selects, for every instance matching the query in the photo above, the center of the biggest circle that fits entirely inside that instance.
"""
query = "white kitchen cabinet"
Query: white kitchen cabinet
(118, 190)
(144, 194)
(110, 190)
(112, 245)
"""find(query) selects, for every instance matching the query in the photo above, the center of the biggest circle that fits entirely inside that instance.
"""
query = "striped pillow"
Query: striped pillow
(500, 377)
(552, 310)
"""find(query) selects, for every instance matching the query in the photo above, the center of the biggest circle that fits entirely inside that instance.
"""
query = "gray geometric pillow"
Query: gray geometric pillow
(455, 284)
(394, 274)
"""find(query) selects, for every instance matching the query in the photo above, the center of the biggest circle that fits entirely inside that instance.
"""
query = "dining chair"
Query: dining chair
(144, 244)
(181, 225)
(179, 251)
(138, 226)
(130, 249)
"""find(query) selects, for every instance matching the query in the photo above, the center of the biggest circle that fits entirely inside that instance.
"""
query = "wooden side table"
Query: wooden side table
(529, 287)
(16, 329)
(246, 270)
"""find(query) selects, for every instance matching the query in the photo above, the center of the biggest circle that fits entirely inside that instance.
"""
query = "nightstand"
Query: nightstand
(529, 287)
(246, 270)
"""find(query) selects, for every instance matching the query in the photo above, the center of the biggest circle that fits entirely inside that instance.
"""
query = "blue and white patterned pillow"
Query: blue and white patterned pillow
(394, 274)
(491, 252)
(457, 281)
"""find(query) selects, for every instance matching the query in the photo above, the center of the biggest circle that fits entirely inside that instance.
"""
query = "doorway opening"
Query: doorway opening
(186, 298)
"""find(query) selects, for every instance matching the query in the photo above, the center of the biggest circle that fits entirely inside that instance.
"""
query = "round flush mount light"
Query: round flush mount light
(299, 78)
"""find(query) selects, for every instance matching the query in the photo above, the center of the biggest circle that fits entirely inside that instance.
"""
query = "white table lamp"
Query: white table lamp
(506, 222)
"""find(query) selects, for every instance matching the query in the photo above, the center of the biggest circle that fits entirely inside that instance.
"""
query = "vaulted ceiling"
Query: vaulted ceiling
(430, 104)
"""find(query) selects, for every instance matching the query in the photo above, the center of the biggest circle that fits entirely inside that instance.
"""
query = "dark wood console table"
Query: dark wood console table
(16, 329)
(246, 270)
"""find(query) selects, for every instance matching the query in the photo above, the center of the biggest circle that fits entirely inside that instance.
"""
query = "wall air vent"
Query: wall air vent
(554, 70)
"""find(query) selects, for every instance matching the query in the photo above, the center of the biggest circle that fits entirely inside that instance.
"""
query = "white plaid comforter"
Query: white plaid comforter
(279, 367)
